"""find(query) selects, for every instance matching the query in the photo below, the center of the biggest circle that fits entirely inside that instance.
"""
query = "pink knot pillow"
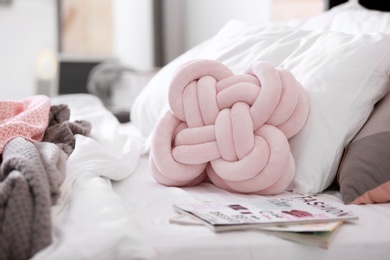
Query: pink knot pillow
(233, 129)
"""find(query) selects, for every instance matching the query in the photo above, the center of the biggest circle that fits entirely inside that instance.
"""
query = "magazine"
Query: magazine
(265, 212)
(185, 219)
(317, 234)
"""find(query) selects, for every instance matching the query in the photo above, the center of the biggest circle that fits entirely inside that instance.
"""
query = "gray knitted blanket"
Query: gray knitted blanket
(30, 177)
(61, 131)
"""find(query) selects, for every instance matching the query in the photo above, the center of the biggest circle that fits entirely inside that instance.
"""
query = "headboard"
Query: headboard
(370, 4)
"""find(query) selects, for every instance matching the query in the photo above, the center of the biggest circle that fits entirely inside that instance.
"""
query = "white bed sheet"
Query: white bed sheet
(112, 208)
(150, 205)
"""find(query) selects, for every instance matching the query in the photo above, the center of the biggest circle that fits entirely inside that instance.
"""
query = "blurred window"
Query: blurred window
(86, 27)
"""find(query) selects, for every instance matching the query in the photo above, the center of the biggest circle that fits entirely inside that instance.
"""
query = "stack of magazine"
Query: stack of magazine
(304, 219)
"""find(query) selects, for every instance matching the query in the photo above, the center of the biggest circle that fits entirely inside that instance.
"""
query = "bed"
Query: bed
(111, 207)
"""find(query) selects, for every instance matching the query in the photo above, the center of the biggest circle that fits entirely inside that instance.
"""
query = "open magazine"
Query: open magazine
(265, 212)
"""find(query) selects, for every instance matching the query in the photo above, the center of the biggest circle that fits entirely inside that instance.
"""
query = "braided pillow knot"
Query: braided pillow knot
(233, 129)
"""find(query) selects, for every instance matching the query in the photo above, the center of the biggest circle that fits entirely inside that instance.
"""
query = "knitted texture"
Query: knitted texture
(61, 132)
(30, 176)
(54, 162)
(233, 129)
(26, 118)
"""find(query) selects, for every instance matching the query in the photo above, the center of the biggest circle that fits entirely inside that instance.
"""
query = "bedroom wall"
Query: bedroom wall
(204, 18)
(26, 29)
(189, 22)
(133, 33)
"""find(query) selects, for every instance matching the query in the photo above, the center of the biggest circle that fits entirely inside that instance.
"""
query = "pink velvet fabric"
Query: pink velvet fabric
(233, 129)
(26, 118)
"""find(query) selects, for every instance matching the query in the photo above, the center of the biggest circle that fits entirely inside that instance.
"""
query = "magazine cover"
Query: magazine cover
(267, 211)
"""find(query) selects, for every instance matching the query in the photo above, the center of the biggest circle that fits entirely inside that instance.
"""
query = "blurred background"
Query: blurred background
(56, 47)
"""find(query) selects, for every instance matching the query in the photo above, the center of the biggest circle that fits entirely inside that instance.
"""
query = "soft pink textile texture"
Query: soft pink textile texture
(26, 118)
(233, 129)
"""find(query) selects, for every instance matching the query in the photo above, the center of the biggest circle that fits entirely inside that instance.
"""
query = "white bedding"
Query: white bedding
(150, 205)
(90, 220)
(112, 208)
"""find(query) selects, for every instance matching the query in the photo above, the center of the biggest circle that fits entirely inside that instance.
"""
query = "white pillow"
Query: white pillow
(361, 21)
(350, 17)
(150, 103)
(324, 20)
(344, 75)
(152, 100)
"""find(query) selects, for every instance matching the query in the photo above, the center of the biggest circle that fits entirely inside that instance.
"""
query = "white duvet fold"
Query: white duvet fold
(90, 220)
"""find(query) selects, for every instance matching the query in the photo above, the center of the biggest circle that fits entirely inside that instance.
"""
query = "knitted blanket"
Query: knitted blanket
(61, 132)
(30, 176)
(27, 118)
(233, 129)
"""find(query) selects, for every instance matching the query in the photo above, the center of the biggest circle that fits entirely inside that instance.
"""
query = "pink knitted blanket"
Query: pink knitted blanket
(233, 129)
(26, 118)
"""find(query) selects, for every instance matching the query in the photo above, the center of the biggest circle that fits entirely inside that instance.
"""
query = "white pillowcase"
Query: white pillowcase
(323, 21)
(152, 100)
(361, 21)
(344, 75)
(350, 17)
